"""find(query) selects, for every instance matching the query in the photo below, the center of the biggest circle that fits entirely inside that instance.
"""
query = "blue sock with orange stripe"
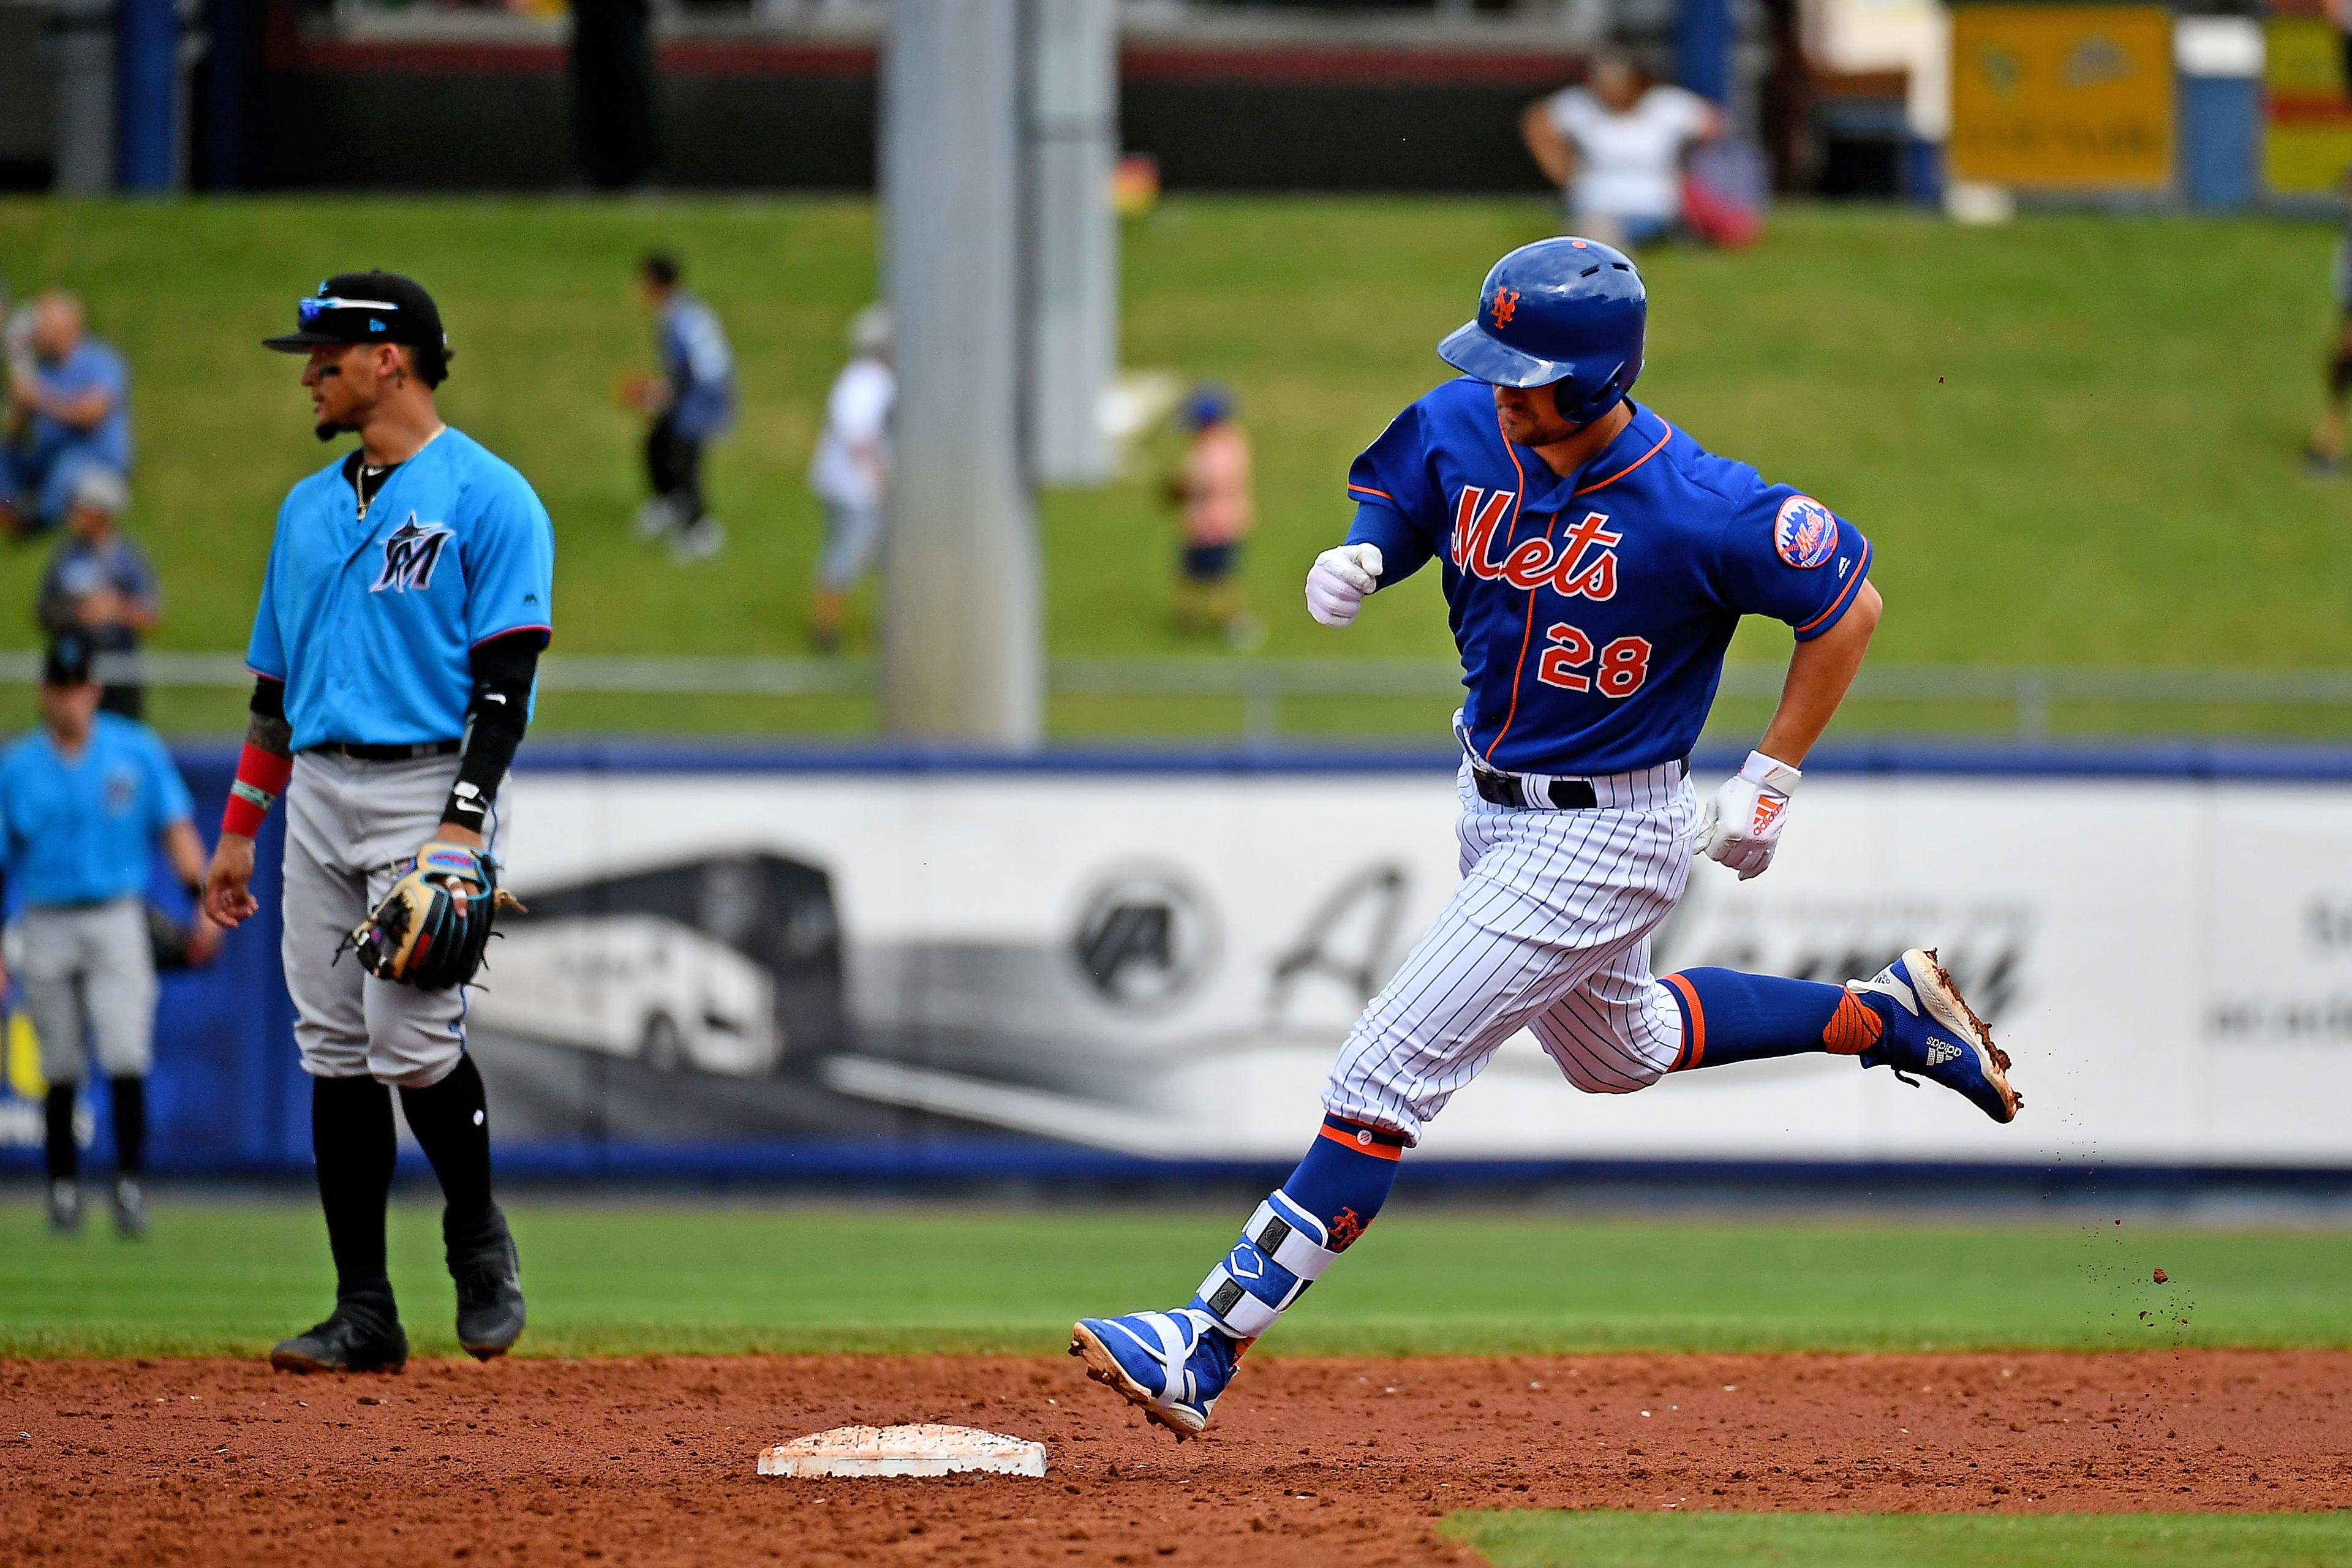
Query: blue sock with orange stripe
(1732, 1016)
(1312, 1218)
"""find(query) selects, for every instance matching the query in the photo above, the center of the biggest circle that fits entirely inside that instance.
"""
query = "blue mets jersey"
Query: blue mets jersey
(1593, 611)
(372, 622)
(80, 830)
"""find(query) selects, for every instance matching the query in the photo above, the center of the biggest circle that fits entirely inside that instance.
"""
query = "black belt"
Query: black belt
(389, 754)
(1560, 795)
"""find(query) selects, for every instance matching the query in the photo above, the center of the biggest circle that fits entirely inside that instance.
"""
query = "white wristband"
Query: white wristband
(1762, 770)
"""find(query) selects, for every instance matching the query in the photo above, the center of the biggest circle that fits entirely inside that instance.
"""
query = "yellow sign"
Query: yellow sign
(2307, 115)
(2062, 97)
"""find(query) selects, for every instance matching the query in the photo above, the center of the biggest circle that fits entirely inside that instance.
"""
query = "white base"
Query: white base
(920, 1450)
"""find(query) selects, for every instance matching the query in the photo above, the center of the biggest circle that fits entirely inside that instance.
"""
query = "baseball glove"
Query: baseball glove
(432, 925)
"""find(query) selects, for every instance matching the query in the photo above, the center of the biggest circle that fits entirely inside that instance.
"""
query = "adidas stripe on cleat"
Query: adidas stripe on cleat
(1930, 1031)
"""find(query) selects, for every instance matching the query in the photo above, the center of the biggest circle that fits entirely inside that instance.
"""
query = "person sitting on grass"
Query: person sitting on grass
(100, 584)
(67, 411)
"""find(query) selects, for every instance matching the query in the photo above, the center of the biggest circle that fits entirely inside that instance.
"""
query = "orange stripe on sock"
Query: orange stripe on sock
(1852, 1029)
(1694, 1049)
(1363, 1142)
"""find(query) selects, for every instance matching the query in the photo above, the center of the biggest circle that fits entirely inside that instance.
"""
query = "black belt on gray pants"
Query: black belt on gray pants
(366, 754)
(1561, 795)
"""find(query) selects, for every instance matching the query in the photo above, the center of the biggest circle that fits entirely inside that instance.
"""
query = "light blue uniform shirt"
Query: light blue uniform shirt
(81, 832)
(372, 623)
(701, 368)
(93, 366)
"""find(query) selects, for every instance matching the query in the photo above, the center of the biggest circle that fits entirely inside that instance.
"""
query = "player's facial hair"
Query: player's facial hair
(328, 429)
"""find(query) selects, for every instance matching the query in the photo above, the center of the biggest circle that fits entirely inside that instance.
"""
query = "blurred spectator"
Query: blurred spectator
(2327, 454)
(67, 410)
(100, 584)
(692, 403)
(1615, 147)
(1212, 487)
(851, 471)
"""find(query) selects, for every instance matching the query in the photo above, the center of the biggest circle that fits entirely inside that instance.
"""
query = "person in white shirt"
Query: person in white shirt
(851, 471)
(1615, 147)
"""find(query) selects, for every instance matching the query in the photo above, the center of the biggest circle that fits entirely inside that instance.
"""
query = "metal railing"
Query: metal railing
(2029, 695)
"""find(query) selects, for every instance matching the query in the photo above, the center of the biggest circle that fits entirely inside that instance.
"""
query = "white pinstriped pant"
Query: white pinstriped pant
(1548, 931)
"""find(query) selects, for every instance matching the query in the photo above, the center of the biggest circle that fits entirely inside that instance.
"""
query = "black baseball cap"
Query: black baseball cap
(67, 663)
(364, 307)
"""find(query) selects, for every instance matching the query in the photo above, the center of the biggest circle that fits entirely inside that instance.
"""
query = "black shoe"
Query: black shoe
(354, 1338)
(64, 1208)
(489, 1288)
(130, 1208)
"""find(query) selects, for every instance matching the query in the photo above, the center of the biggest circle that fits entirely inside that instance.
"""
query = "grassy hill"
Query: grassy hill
(2075, 439)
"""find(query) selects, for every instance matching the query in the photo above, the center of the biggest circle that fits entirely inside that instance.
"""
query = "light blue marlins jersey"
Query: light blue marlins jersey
(371, 622)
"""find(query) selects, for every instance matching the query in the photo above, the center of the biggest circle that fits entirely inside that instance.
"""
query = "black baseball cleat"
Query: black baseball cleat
(354, 1338)
(489, 1290)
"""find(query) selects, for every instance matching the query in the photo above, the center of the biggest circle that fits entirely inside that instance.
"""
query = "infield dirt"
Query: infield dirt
(652, 1462)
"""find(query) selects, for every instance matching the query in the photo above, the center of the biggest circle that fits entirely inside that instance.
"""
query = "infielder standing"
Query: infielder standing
(83, 800)
(401, 616)
(1596, 562)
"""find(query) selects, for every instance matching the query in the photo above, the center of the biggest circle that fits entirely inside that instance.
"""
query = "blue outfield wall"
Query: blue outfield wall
(228, 1099)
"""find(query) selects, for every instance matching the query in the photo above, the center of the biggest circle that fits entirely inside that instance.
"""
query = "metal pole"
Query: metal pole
(1073, 134)
(962, 655)
(83, 33)
(147, 63)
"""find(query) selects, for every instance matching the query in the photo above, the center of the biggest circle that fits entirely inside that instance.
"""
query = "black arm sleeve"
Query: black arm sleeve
(495, 716)
(269, 698)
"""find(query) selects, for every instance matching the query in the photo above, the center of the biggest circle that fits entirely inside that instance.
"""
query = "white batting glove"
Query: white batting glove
(1339, 580)
(1742, 825)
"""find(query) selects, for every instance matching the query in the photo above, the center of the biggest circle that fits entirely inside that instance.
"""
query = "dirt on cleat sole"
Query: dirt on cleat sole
(1995, 1068)
(1103, 1367)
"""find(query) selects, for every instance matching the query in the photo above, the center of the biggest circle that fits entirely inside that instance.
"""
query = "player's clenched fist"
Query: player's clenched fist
(1741, 826)
(1339, 580)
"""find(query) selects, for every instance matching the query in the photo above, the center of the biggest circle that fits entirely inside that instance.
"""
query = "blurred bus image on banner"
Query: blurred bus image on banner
(2062, 97)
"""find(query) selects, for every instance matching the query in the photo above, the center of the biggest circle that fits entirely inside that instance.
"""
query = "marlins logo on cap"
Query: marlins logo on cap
(1806, 533)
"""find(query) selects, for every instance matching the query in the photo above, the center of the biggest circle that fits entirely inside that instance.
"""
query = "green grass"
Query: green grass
(2075, 439)
(1613, 1540)
(229, 1277)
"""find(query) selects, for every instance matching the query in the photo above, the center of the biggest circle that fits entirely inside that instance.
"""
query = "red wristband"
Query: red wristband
(260, 779)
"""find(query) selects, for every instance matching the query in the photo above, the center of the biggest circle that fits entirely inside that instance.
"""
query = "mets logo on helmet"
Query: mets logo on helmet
(1506, 305)
(1805, 533)
(410, 554)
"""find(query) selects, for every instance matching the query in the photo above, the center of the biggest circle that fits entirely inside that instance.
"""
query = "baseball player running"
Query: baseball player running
(1596, 562)
(402, 614)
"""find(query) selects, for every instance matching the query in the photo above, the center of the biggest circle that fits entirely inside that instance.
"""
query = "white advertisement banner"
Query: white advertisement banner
(1166, 964)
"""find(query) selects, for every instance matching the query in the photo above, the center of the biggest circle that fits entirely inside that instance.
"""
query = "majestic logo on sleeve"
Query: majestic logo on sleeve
(1581, 565)
(1805, 533)
(410, 554)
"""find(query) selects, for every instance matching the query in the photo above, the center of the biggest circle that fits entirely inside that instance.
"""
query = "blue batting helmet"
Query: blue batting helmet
(1564, 313)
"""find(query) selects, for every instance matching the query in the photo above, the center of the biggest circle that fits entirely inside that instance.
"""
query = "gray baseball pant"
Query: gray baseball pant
(90, 969)
(349, 825)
